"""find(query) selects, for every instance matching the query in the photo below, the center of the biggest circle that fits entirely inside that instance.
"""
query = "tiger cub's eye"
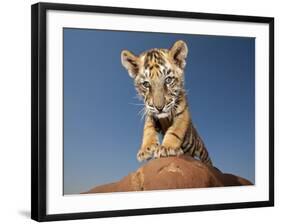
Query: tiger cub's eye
(168, 80)
(146, 84)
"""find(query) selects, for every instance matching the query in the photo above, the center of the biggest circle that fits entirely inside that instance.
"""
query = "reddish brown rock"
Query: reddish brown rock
(172, 173)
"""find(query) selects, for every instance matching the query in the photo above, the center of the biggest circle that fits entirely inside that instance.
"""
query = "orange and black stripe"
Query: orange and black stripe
(193, 145)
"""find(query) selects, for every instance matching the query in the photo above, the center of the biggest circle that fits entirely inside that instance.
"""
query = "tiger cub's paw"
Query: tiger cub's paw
(163, 151)
(146, 152)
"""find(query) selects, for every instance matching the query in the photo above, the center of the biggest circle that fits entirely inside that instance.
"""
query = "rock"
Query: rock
(172, 173)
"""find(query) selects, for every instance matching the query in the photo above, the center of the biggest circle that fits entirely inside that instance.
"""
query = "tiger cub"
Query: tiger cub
(159, 79)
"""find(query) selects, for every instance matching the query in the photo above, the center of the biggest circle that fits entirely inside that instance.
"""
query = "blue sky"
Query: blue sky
(102, 128)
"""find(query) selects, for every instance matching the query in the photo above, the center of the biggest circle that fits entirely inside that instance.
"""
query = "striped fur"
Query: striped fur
(194, 145)
(159, 79)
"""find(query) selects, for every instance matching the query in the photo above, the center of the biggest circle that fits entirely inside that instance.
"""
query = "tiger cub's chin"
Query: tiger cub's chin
(162, 115)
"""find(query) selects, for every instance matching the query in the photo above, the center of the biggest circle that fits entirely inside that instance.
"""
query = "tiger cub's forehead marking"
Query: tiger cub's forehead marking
(155, 63)
(154, 57)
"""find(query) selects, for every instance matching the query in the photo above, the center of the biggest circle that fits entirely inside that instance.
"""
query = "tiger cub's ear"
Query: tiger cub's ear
(178, 53)
(130, 62)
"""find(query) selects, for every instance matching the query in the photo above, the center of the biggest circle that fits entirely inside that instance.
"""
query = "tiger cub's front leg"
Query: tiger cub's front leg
(150, 141)
(174, 136)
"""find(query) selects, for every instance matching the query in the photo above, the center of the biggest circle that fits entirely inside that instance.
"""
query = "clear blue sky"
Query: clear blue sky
(102, 128)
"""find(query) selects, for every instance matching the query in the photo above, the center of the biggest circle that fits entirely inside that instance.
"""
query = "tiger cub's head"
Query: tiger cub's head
(158, 76)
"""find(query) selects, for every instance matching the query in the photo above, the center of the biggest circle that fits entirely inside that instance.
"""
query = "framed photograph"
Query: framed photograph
(139, 111)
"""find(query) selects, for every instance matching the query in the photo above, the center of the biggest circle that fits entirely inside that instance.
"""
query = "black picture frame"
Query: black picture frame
(39, 122)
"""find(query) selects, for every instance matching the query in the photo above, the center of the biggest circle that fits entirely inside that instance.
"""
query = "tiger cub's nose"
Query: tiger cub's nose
(159, 108)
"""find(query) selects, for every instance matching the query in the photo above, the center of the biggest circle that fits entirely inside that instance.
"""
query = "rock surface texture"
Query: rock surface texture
(172, 173)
